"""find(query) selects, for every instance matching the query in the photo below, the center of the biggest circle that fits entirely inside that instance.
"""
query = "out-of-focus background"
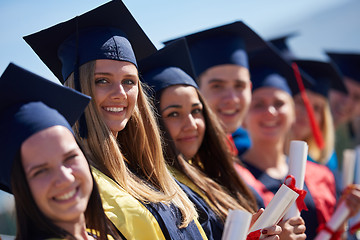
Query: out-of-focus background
(319, 25)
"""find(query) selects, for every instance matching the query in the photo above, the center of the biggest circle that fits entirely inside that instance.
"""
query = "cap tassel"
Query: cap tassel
(310, 111)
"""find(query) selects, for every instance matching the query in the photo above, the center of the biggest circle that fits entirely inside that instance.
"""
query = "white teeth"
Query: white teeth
(66, 196)
(114, 109)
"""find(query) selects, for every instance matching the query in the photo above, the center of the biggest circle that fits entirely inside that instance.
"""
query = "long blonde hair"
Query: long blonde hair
(327, 129)
(138, 146)
(328, 133)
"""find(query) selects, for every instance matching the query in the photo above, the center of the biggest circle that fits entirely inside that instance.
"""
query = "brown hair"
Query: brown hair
(33, 224)
(138, 147)
(212, 168)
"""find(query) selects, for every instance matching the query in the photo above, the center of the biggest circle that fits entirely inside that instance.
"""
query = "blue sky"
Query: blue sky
(166, 19)
(331, 24)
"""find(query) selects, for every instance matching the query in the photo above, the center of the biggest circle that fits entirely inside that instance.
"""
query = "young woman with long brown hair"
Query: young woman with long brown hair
(98, 54)
(195, 143)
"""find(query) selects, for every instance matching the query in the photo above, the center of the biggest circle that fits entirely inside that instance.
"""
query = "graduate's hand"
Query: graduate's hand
(293, 228)
(255, 216)
(270, 233)
(352, 200)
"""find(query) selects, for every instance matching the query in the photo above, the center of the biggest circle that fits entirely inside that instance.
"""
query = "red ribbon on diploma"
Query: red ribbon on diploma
(334, 235)
(255, 235)
(302, 193)
(353, 229)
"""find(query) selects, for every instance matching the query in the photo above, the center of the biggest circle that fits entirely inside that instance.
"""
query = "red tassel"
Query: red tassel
(314, 126)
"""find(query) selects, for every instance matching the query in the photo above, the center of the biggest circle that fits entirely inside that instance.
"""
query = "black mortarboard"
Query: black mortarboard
(269, 69)
(29, 104)
(169, 66)
(226, 44)
(280, 43)
(325, 75)
(348, 63)
(106, 32)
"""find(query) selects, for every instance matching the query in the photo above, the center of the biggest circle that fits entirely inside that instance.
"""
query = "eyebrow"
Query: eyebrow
(102, 73)
(33, 168)
(179, 106)
(219, 80)
(65, 155)
(70, 152)
(216, 80)
(110, 74)
(170, 106)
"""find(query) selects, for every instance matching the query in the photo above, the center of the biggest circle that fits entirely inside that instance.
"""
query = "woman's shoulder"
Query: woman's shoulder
(128, 214)
(110, 191)
(318, 171)
(182, 178)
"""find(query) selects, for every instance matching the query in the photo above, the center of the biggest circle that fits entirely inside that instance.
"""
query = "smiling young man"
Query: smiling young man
(220, 62)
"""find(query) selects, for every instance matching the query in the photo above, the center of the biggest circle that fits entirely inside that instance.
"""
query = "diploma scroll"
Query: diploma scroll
(276, 209)
(297, 166)
(348, 167)
(237, 225)
(336, 220)
(354, 222)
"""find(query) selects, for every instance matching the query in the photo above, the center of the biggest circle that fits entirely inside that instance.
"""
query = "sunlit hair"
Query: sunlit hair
(33, 224)
(212, 168)
(327, 130)
(134, 159)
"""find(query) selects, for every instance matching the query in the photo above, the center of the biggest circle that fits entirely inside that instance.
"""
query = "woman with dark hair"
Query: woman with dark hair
(43, 165)
(195, 143)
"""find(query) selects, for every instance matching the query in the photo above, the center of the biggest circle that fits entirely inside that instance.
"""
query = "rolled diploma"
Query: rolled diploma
(276, 209)
(356, 219)
(348, 167)
(338, 218)
(297, 166)
(237, 225)
(357, 165)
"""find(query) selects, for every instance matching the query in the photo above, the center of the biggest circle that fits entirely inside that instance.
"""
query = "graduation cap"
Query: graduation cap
(29, 104)
(226, 44)
(106, 32)
(280, 43)
(348, 63)
(325, 75)
(269, 69)
(169, 66)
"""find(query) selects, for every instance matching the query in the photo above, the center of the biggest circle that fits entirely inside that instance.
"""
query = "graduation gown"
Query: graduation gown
(211, 223)
(137, 220)
(319, 184)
